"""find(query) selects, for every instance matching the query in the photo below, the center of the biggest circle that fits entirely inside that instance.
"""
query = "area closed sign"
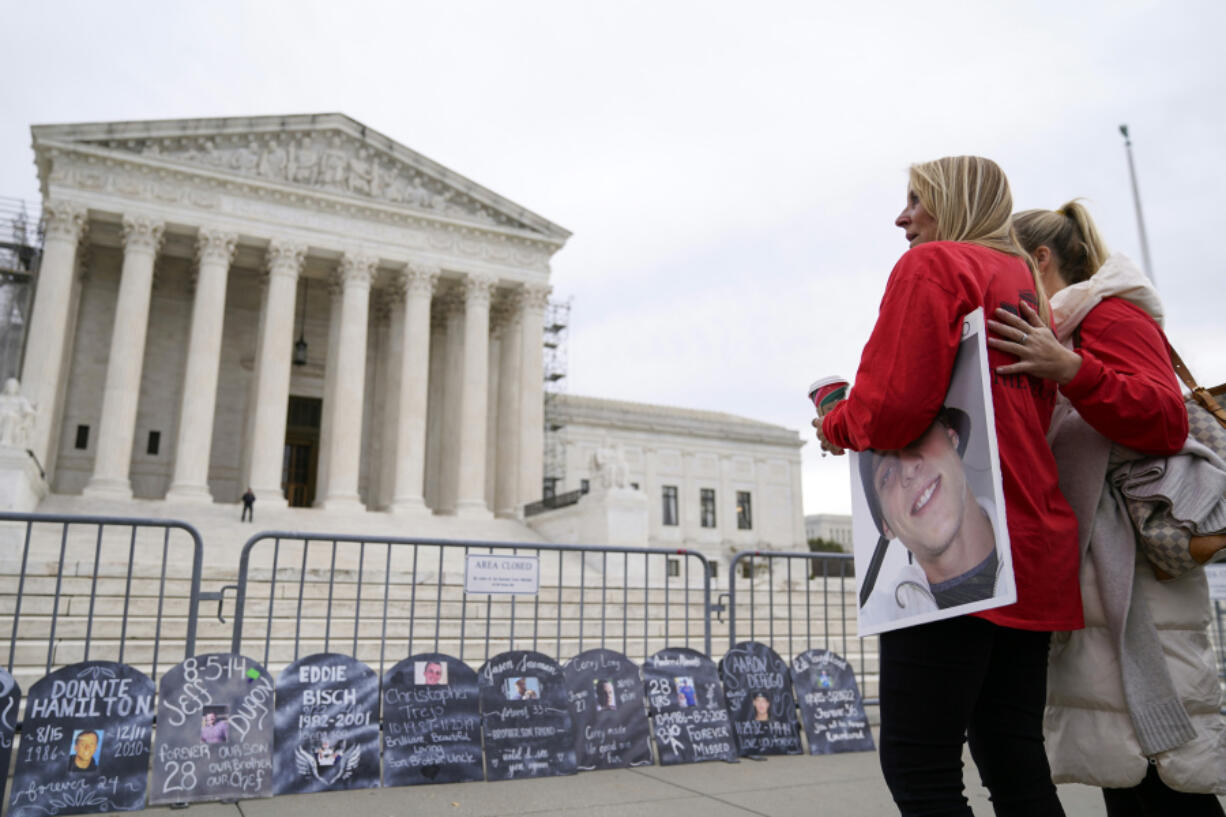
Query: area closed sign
(488, 573)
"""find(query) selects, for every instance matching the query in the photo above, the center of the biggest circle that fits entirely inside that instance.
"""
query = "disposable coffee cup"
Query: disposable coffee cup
(826, 392)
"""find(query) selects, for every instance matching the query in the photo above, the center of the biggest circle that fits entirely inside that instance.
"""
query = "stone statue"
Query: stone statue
(334, 164)
(608, 464)
(16, 416)
(273, 161)
(304, 162)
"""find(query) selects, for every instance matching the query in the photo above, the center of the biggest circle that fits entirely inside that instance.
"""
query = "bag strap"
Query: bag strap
(1206, 397)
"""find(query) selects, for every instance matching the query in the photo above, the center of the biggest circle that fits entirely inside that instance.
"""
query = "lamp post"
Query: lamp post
(1136, 199)
(300, 345)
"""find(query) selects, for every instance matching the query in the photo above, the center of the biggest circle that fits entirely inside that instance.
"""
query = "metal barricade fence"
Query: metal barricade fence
(799, 601)
(83, 588)
(383, 599)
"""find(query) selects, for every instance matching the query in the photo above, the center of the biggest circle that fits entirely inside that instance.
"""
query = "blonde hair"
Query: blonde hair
(970, 200)
(1071, 236)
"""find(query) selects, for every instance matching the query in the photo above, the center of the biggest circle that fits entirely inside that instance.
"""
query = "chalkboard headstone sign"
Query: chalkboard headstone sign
(606, 700)
(215, 731)
(431, 722)
(84, 742)
(690, 722)
(758, 688)
(525, 717)
(10, 701)
(830, 704)
(327, 725)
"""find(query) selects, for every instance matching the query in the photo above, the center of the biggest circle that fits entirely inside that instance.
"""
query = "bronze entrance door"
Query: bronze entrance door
(298, 468)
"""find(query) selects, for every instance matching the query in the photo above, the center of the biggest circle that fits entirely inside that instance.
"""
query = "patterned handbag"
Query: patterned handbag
(1163, 541)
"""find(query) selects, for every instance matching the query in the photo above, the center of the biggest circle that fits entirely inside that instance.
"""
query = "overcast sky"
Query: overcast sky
(730, 171)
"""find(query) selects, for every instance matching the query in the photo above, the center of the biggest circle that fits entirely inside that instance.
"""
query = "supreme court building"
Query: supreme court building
(302, 306)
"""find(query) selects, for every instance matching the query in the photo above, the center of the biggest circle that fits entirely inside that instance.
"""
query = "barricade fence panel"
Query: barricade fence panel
(85, 588)
(381, 600)
(795, 602)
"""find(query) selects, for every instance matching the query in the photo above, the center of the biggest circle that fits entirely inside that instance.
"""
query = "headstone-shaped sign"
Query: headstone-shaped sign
(830, 704)
(431, 722)
(690, 722)
(606, 700)
(10, 700)
(525, 717)
(215, 731)
(327, 722)
(759, 693)
(84, 742)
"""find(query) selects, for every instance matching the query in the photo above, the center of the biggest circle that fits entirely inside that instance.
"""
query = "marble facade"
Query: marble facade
(183, 260)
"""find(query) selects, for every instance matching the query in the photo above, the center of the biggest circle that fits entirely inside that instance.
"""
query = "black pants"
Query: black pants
(959, 679)
(248, 513)
(1153, 798)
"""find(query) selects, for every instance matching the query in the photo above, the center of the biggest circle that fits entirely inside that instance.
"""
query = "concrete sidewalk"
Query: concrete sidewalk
(848, 785)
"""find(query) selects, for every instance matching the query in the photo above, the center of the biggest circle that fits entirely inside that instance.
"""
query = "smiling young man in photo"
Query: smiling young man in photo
(919, 495)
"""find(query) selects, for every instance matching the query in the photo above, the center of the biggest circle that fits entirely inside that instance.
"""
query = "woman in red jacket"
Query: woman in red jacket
(979, 677)
(1133, 699)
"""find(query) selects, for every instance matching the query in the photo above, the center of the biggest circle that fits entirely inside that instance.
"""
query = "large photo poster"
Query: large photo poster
(928, 521)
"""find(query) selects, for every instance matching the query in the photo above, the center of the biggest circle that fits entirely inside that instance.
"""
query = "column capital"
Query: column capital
(215, 245)
(356, 269)
(504, 310)
(142, 233)
(285, 257)
(536, 296)
(421, 278)
(65, 220)
(477, 289)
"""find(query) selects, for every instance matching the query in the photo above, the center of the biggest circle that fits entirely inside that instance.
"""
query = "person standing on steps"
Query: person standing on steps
(248, 506)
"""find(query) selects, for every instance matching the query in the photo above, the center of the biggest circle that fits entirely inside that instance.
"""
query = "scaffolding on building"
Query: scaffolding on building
(21, 246)
(557, 326)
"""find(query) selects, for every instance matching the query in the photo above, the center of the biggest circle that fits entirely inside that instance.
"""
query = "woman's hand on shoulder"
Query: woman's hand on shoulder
(1032, 342)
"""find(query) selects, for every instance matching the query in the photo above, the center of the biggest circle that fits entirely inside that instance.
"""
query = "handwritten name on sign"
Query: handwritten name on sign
(606, 700)
(431, 722)
(758, 688)
(85, 742)
(10, 701)
(690, 721)
(327, 726)
(830, 704)
(525, 718)
(215, 731)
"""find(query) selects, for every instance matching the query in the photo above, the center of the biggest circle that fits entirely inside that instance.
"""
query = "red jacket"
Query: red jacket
(904, 373)
(1126, 389)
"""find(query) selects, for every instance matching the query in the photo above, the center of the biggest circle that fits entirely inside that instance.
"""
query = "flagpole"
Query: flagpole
(1136, 200)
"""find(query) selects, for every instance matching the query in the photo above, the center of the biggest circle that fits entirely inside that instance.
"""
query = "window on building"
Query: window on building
(706, 497)
(634, 485)
(744, 511)
(82, 438)
(670, 505)
(585, 485)
(155, 442)
(713, 569)
(550, 487)
(674, 567)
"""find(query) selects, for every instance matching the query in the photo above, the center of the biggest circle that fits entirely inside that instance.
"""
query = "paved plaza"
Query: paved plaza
(831, 786)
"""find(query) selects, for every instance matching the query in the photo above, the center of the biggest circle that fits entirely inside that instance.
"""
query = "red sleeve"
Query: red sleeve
(1126, 389)
(906, 365)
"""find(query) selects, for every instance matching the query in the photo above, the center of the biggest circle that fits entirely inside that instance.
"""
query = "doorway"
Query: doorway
(298, 468)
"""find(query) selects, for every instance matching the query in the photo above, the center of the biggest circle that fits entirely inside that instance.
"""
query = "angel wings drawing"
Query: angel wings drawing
(328, 764)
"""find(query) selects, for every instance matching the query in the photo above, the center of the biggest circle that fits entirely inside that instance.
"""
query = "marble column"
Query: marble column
(142, 237)
(532, 393)
(453, 377)
(46, 348)
(507, 501)
(414, 382)
(389, 320)
(214, 253)
(342, 438)
(474, 399)
(336, 292)
(276, 343)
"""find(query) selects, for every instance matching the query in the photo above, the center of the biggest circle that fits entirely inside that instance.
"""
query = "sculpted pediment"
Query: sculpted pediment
(328, 153)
